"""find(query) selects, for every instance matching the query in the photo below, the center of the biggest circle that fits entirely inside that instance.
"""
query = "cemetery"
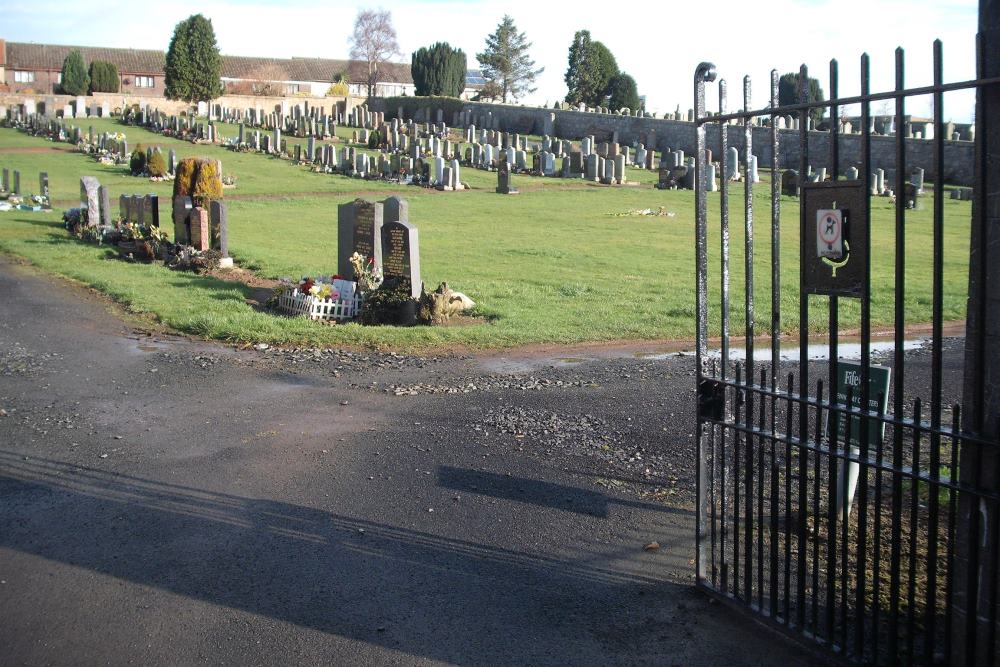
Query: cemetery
(513, 262)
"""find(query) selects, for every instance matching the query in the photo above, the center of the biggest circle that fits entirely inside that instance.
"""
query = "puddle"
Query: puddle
(569, 361)
(148, 348)
(850, 351)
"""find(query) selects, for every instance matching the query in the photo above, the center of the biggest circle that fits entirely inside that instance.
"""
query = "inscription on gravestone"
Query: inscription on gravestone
(359, 224)
(401, 255)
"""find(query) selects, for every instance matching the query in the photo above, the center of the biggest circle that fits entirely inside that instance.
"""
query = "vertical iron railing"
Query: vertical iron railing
(780, 444)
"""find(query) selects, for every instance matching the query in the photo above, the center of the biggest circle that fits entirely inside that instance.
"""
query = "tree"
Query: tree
(103, 77)
(591, 69)
(193, 65)
(788, 93)
(75, 80)
(374, 43)
(439, 70)
(505, 61)
(490, 92)
(623, 92)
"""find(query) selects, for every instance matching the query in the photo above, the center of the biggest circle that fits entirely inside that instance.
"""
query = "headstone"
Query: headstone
(503, 179)
(851, 174)
(104, 200)
(182, 207)
(732, 164)
(790, 183)
(90, 199)
(219, 219)
(917, 179)
(16, 186)
(201, 233)
(401, 254)
(754, 175)
(43, 184)
(151, 203)
(359, 228)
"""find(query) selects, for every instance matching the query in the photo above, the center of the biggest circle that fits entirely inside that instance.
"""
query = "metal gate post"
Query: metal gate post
(977, 543)
(703, 74)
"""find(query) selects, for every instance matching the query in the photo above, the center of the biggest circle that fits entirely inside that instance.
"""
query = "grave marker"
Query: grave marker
(359, 225)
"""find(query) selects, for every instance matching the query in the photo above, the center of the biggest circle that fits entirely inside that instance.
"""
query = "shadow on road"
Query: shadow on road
(370, 581)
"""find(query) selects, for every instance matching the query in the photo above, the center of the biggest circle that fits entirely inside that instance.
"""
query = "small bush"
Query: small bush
(197, 178)
(374, 139)
(137, 162)
(157, 165)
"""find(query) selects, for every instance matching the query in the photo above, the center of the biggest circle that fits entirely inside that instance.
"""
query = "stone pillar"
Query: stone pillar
(981, 399)
(201, 234)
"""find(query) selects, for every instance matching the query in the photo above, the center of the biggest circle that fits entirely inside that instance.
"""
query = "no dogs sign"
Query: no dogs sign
(830, 233)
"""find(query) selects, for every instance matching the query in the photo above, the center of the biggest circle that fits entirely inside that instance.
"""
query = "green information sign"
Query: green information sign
(849, 379)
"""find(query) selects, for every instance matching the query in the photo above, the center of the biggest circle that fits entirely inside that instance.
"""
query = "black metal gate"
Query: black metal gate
(829, 492)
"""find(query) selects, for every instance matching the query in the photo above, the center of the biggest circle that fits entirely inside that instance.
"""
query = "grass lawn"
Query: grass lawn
(551, 265)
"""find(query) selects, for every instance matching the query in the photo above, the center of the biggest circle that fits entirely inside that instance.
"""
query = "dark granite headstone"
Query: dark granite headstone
(790, 183)
(16, 188)
(123, 203)
(219, 216)
(152, 207)
(503, 179)
(359, 224)
(181, 211)
(401, 255)
(395, 209)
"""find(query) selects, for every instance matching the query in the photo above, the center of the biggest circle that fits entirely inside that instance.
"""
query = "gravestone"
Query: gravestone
(503, 179)
(43, 184)
(123, 202)
(359, 227)
(200, 229)
(219, 223)
(104, 200)
(5, 181)
(790, 183)
(151, 204)
(401, 255)
(732, 164)
(182, 206)
(90, 199)
(16, 186)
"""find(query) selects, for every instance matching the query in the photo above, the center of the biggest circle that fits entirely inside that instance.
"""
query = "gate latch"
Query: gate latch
(711, 400)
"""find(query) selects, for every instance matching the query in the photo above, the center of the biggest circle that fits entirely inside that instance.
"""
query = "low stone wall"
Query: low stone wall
(661, 134)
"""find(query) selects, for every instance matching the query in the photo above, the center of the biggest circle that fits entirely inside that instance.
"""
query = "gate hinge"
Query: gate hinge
(711, 400)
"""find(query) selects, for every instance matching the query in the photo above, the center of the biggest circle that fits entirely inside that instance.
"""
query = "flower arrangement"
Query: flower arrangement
(367, 274)
(318, 288)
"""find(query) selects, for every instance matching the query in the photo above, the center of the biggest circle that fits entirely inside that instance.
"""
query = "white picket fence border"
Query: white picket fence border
(294, 302)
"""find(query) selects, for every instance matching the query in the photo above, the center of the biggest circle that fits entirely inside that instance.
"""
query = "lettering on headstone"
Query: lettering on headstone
(401, 255)
(359, 224)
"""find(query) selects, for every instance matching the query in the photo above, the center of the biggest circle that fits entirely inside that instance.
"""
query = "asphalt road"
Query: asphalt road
(164, 501)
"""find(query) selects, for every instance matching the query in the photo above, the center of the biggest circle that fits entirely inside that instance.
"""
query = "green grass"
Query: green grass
(551, 265)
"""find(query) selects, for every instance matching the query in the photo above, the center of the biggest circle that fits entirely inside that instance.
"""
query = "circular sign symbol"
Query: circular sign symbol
(829, 229)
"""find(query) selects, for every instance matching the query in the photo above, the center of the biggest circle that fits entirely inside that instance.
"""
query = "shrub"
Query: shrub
(338, 90)
(137, 162)
(374, 139)
(103, 77)
(157, 164)
(197, 178)
(75, 80)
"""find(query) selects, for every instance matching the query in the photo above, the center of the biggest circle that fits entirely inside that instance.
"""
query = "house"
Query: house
(36, 68)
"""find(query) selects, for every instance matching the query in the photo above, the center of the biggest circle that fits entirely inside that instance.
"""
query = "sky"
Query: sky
(658, 43)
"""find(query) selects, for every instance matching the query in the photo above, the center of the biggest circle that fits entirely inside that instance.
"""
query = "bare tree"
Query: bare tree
(374, 43)
(269, 80)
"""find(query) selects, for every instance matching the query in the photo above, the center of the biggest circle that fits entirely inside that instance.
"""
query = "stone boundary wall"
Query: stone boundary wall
(54, 103)
(660, 134)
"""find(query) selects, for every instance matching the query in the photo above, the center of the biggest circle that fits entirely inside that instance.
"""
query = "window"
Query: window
(143, 82)
(24, 77)
(292, 89)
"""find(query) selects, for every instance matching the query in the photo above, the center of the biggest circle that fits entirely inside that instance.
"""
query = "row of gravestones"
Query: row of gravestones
(380, 231)
(10, 182)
